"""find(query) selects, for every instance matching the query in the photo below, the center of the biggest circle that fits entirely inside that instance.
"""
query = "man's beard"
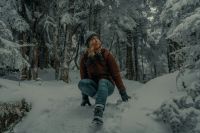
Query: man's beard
(95, 48)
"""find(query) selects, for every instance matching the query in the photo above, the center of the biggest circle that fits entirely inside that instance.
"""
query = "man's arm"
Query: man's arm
(115, 73)
(83, 69)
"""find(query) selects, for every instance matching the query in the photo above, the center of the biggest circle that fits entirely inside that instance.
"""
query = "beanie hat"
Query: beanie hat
(88, 36)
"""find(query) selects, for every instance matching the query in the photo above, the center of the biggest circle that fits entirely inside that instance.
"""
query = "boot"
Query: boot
(85, 100)
(98, 114)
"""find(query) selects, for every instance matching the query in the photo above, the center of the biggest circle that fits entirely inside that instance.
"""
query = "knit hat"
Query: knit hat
(88, 36)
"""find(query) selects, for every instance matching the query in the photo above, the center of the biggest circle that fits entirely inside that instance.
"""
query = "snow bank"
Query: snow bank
(138, 119)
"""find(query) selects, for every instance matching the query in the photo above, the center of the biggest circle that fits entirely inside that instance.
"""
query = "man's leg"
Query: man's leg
(105, 88)
(88, 87)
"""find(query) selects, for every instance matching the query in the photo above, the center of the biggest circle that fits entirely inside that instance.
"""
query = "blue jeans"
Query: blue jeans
(100, 91)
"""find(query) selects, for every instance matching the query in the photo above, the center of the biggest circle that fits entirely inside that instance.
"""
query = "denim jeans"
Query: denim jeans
(100, 91)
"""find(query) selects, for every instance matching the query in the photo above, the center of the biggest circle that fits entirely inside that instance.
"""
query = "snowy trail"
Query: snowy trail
(56, 108)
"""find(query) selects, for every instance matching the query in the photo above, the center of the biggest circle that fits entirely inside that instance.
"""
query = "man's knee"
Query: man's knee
(103, 84)
(82, 83)
(106, 86)
(87, 86)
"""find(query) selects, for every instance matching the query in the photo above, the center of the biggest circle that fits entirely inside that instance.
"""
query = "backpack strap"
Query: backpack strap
(105, 53)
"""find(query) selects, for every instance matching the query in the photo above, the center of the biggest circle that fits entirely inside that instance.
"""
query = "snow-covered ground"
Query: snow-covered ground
(56, 106)
(138, 118)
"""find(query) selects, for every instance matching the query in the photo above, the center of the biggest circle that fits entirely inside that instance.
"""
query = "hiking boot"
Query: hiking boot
(85, 100)
(98, 114)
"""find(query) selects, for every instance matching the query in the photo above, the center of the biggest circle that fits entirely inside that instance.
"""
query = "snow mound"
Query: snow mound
(149, 97)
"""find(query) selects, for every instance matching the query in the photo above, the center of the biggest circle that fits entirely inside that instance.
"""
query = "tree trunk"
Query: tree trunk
(143, 74)
(24, 72)
(35, 62)
(129, 59)
(155, 70)
(69, 52)
(90, 18)
(80, 41)
(56, 56)
(65, 74)
(97, 19)
(135, 48)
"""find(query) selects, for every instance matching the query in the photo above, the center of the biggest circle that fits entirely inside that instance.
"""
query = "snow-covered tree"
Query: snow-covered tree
(182, 19)
(124, 33)
(181, 25)
(10, 50)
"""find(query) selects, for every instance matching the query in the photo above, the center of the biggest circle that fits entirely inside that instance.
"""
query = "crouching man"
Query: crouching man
(99, 74)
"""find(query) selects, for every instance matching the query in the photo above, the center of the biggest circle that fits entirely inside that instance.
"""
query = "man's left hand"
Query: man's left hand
(124, 96)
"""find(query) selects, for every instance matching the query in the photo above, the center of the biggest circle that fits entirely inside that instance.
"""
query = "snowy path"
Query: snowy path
(56, 108)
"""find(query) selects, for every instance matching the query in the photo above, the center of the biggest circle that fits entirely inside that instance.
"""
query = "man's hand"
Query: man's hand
(124, 95)
(85, 100)
(85, 103)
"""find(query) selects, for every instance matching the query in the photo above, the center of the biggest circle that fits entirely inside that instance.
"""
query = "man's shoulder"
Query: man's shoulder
(83, 53)
(105, 51)
(107, 54)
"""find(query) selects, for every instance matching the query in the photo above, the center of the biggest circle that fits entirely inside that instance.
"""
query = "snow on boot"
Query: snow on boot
(85, 100)
(98, 114)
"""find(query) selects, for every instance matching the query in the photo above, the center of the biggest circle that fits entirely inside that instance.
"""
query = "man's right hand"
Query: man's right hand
(85, 102)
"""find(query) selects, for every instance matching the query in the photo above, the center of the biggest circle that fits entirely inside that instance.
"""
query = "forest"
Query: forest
(148, 39)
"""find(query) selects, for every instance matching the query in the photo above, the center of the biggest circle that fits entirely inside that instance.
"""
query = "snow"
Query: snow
(127, 22)
(99, 3)
(176, 8)
(9, 43)
(4, 51)
(5, 32)
(56, 105)
(66, 19)
(17, 22)
(149, 97)
(20, 25)
(10, 55)
(189, 25)
(177, 5)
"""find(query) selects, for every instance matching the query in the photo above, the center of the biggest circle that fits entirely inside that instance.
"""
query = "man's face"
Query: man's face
(94, 42)
(94, 45)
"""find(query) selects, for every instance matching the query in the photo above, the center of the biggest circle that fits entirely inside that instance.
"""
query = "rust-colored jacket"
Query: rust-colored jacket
(98, 69)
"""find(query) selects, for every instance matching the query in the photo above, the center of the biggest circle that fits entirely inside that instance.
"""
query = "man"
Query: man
(99, 74)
